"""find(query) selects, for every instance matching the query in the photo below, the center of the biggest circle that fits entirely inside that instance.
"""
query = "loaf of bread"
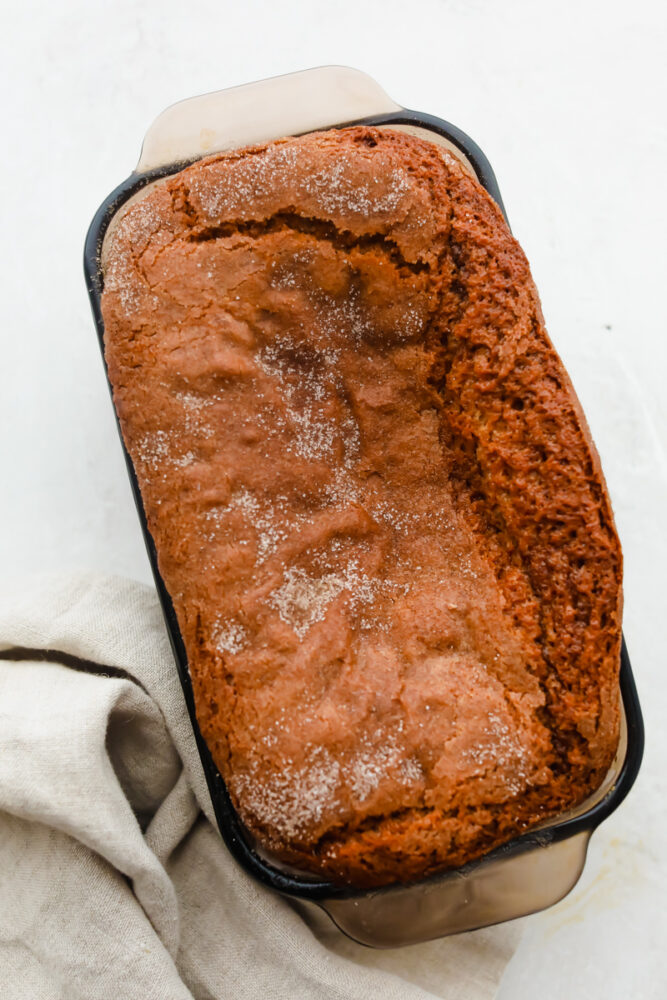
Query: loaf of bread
(375, 502)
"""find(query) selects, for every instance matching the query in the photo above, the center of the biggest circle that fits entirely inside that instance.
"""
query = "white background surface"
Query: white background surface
(568, 101)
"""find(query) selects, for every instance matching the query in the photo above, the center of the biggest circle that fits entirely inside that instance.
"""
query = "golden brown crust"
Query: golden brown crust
(374, 498)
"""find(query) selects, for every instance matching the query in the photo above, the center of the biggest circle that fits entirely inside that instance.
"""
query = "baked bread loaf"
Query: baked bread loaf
(375, 502)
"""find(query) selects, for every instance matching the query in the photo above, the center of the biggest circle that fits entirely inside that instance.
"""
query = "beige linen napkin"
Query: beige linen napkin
(114, 882)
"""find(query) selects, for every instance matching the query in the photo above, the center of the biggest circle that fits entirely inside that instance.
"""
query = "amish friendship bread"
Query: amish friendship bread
(375, 502)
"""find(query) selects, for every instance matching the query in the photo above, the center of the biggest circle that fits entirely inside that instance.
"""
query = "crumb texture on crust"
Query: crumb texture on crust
(374, 498)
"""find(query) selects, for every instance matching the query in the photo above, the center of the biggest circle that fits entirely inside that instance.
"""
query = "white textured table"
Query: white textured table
(567, 100)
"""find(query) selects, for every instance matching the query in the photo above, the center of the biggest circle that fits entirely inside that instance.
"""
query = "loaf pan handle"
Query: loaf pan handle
(257, 112)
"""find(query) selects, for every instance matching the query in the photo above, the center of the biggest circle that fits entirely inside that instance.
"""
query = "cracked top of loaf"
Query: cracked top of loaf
(374, 499)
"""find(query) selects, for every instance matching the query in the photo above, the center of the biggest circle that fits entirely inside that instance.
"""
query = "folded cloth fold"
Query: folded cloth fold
(114, 881)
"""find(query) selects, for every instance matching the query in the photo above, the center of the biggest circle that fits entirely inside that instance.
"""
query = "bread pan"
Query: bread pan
(532, 871)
